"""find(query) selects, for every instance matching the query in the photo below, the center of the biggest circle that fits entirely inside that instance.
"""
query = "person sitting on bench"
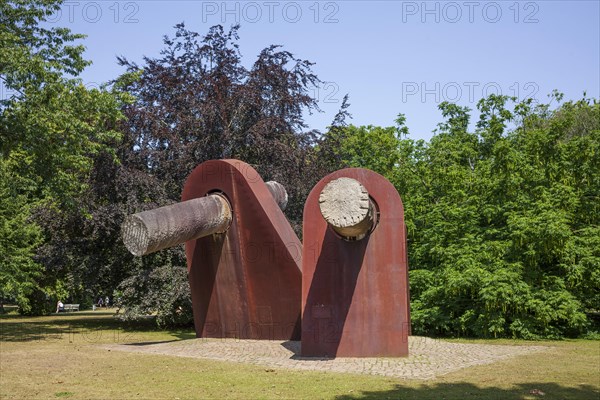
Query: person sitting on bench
(60, 307)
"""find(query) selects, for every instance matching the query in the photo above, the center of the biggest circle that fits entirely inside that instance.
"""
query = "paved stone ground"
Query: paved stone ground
(428, 357)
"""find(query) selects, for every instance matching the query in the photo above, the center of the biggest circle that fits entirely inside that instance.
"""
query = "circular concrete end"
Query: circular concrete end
(345, 205)
(135, 235)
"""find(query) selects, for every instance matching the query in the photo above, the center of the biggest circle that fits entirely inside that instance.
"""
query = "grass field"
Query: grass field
(60, 356)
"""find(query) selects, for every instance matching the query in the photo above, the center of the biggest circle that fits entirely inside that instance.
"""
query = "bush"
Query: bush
(39, 303)
(163, 291)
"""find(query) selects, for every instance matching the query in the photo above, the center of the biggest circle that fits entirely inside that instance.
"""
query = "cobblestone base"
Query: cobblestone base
(428, 357)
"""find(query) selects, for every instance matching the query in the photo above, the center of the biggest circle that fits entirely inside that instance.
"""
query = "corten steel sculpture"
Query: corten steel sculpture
(243, 256)
(354, 268)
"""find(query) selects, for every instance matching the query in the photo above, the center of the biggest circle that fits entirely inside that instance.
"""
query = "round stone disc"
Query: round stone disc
(345, 205)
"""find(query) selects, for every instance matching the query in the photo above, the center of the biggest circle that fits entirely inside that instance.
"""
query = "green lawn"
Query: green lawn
(59, 357)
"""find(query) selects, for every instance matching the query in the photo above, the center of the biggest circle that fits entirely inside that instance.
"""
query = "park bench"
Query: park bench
(71, 307)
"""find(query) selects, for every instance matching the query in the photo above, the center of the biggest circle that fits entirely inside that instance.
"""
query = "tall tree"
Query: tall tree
(198, 102)
(49, 131)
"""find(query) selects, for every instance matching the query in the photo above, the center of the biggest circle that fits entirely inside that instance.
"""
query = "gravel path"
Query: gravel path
(428, 357)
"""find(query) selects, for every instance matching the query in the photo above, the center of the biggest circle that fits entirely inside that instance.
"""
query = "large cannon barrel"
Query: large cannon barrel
(149, 231)
(346, 206)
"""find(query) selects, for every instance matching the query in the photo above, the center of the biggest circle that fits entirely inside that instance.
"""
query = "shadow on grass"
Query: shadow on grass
(460, 391)
(85, 326)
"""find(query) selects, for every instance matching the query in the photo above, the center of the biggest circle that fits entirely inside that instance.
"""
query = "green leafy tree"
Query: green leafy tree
(18, 241)
(369, 145)
(502, 224)
(50, 130)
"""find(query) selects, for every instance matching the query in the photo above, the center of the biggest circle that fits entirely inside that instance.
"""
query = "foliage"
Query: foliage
(50, 130)
(368, 145)
(18, 241)
(503, 226)
(163, 291)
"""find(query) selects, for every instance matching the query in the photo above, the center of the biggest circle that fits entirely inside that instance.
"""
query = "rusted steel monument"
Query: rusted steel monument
(242, 254)
(250, 277)
(354, 268)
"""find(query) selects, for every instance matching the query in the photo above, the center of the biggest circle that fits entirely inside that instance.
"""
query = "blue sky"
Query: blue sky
(390, 56)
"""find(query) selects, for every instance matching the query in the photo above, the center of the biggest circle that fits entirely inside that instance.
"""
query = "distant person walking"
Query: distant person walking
(106, 301)
(100, 302)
